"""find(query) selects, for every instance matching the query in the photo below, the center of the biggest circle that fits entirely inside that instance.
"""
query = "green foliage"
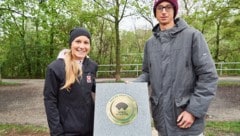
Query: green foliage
(218, 22)
(133, 46)
(32, 33)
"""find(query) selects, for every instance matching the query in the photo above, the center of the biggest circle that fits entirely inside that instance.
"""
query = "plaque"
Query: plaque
(122, 109)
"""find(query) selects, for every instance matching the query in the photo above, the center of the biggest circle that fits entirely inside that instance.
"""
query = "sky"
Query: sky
(131, 24)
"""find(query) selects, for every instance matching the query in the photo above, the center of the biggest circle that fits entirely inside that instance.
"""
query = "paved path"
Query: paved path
(24, 104)
(235, 79)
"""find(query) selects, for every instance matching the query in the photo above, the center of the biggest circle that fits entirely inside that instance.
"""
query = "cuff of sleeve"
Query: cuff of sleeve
(194, 113)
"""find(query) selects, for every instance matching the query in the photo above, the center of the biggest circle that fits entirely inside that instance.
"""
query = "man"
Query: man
(182, 75)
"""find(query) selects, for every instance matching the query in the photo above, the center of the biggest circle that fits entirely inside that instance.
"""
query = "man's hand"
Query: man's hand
(185, 120)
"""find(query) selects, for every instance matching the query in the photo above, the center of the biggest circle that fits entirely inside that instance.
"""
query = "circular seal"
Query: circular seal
(122, 109)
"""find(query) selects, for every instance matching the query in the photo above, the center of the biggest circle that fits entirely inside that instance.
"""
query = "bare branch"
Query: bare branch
(14, 11)
(124, 8)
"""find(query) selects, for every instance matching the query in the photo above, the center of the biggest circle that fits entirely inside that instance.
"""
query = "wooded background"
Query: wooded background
(32, 32)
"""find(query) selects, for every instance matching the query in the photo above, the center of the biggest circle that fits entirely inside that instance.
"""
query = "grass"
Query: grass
(228, 83)
(220, 128)
(8, 83)
(213, 128)
(16, 129)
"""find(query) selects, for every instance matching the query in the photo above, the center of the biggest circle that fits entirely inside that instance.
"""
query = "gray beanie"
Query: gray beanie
(79, 31)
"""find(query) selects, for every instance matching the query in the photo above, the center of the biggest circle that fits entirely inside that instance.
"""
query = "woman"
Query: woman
(68, 89)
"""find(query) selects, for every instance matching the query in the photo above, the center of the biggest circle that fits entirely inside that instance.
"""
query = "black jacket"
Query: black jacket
(70, 113)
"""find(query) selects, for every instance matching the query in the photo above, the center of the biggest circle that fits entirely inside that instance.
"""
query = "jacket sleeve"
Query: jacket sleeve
(206, 77)
(50, 93)
(144, 77)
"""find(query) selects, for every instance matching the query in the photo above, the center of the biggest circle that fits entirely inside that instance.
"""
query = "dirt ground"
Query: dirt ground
(23, 104)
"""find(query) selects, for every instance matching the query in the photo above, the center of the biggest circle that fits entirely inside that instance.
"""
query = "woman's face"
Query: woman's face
(80, 47)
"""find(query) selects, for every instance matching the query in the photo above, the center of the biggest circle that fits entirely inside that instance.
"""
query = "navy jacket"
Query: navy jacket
(70, 113)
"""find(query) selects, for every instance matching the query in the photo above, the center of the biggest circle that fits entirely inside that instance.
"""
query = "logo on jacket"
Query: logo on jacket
(89, 79)
(122, 109)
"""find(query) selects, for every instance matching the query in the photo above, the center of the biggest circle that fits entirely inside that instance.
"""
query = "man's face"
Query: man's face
(80, 47)
(165, 13)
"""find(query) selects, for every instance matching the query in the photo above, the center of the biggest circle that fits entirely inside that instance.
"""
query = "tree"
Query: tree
(33, 32)
(114, 11)
(216, 21)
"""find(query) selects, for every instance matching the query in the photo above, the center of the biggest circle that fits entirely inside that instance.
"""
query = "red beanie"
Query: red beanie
(173, 2)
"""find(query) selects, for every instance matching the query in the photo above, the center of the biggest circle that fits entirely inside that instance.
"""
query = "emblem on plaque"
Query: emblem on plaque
(122, 109)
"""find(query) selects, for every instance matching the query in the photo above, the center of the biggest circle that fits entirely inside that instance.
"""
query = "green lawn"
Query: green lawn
(19, 130)
(8, 83)
(228, 83)
(220, 128)
(213, 128)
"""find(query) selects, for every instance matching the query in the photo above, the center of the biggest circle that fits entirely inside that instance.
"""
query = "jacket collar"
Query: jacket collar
(180, 25)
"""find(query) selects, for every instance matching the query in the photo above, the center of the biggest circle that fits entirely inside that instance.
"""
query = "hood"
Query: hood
(180, 25)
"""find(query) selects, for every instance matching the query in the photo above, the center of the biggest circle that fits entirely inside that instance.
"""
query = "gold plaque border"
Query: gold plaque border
(127, 121)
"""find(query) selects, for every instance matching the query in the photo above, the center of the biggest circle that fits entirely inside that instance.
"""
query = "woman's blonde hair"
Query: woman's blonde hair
(72, 69)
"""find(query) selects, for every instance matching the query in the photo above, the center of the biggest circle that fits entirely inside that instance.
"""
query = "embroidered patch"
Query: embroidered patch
(89, 79)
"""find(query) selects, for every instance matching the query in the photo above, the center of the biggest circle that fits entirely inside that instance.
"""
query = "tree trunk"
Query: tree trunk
(118, 44)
